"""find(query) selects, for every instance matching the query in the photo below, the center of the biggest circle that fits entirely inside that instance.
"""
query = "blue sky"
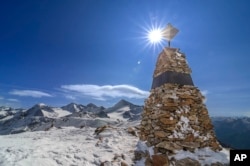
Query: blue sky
(63, 51)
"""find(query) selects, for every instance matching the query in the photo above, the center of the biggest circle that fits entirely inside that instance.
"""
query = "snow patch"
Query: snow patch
(57, 113)
(205, 156)
(184, 128)
(141, 146)
(119, 113)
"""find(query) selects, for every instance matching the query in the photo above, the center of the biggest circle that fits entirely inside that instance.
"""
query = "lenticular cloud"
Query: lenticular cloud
(29, 93)
(106, 91)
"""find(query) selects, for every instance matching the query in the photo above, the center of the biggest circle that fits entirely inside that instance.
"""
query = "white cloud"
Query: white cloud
(13, 100)
(71, 97)
(30, 93)
(204, 93)
(1, 98)
(106, 91)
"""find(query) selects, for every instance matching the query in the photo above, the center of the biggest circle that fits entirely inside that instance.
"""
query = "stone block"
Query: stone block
(161, 134)
(167, 121)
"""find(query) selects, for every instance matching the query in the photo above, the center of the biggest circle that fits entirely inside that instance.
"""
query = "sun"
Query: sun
(155, 36)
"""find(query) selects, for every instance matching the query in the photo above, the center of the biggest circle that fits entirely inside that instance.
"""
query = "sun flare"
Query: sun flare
(155, 36)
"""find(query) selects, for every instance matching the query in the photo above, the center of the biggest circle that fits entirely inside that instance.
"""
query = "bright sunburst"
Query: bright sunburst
(155, 36)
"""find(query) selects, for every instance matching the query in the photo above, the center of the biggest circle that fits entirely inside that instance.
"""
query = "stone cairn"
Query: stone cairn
(175, 116)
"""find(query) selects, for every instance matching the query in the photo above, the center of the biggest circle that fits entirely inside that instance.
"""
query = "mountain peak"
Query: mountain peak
(41, 105)
(5, 108)
(91, 105)
(122, 103)
(73, 107)
(72, 103)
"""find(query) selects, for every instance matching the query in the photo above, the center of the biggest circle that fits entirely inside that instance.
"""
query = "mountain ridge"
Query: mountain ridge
(231, 131)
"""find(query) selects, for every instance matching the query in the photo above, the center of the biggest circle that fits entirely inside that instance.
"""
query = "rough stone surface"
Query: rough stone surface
(175, 116)
(160, 160)
(157, 160)
(169, 146)
(187, 162)
(171, 60)
(160, 134)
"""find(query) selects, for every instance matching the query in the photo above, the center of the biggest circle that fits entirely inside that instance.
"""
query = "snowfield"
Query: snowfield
(78, 135)
(68, 146)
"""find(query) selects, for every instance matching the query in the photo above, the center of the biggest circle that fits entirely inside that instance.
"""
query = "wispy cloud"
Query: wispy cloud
(70, 97)
(204, 93)
(30, 93)
(1, 98)
(106, 91)
(13, 100)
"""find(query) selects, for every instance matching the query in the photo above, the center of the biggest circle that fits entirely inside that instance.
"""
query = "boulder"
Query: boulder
(187, 162)
(169, 146)
(160, 160)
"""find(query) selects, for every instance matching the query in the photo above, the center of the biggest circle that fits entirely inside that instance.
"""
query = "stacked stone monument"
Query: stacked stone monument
(175, 116)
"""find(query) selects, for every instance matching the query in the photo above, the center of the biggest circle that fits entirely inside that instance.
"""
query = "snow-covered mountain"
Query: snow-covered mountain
(47, 111)
(124, 110)
(41, 116)
(93, 108)
(70, 135)
(8, 111)
(90, 110)
(73, 107)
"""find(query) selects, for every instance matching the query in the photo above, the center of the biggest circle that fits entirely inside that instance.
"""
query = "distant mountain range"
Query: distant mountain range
(42, 116)
(233, 132)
